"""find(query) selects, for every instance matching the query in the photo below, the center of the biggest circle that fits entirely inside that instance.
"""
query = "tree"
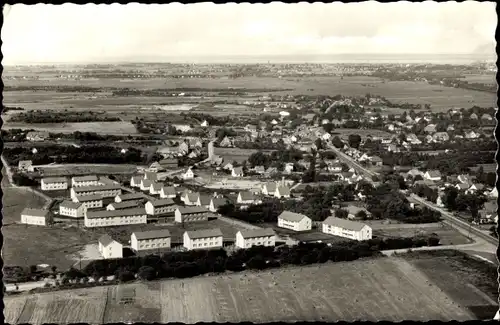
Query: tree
(449, 198)
(125, 275)
(319, 144)
(361, 215)
(341, 213)
(146, 273)
(337, 142)
(354, 140)
(328, 127)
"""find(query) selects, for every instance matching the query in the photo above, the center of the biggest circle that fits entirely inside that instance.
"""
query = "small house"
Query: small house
(110, 248)
(38, 217)
(160, 207)
(153, 239)
(255, 237)
(346, 228)
(203, 239)
(72, 209)
(191, 214)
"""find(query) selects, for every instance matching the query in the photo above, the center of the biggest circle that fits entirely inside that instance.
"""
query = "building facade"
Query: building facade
(294, 221)
(37, 217)
(110, 248)
(72, 209)
(191, 214)
(255, 237)
(203, 239)
(115, 217)
(155, 239)
(346, 228)
(90, 180)
(54, 184)
(107, 190)
(159, 207)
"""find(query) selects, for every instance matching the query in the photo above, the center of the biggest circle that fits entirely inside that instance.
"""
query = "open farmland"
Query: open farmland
(447, 234)
(86, 169)
(439, 97)
(481, 78)
(373, 289)
(114, 128)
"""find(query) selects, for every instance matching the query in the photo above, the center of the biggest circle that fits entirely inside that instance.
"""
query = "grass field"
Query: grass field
(439, 97)
(375, 289)
(115, 128)
(448, 235)
(481, 78)
(86, 169)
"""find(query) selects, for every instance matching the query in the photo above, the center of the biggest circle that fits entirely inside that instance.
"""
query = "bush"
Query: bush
(125, 276)
(146, 273)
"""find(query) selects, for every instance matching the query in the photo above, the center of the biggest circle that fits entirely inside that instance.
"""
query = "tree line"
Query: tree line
(49, 116)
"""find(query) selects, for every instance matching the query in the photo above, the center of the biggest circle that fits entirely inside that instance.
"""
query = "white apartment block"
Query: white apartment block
(255, 237)
(129, 197)
(110, 248)
(203, 239)
(79, 181)
(294, 221)
(107, 190)
(72, 209)
(54, 184)
(154, 239)
(346, 228)
(115, 217)
(189, 214)
(90, 201)
(37, 217)
(159, 207)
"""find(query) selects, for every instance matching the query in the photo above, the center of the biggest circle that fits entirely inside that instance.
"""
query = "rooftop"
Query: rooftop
(204, 233)
(162, 233)
(343, 223)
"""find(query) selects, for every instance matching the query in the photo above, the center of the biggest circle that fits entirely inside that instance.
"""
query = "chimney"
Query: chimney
(283, 181)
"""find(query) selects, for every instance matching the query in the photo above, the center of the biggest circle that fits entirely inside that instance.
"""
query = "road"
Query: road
(488, 243)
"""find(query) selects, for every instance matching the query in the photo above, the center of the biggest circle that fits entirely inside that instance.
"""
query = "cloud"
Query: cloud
(78, 33)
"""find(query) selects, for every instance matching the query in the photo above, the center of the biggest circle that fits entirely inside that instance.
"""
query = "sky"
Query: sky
(72, 33)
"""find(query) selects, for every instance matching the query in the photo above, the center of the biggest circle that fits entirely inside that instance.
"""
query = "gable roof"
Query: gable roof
(35, 212)
(344, 224)
(151, 176)
(125, 204)
(157, 186)
(217, 202)
(169, 190)
(260, 232)
(88, 198)
(192, 197)
(86, 178)
(434, 173)
(70, 204)
(247, 196)
(48, 180)
(162, 202)
(204, 233)
(115, 213)
(191, 210)
(271, 187)
(292, 216)
(132, 196)
(146, 182)
(283, 190)
(204, 199)
(152, 234)
(106, 239)
(94, 188)
(238, 170)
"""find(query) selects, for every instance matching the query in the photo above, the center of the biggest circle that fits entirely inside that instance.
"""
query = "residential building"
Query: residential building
(110, 248)
(259, 169)
(237, 172)
(155, 167)
(160, 207)
(376, 161)
(246, 198)
(489, 213)
(108, 190)
(123, 205)
(155, 188)
(346, 228)
(154, 239)
(282, 192)
(475, 188)
(115, 217)
(171, 163)
(89, 180)
(431, 128)
(135, 181)
(25, 166)
(190, 198)
(190, 214)
(441, 137)
(54, 184)
(188, 174)
(255, 237)
(335, 167)
(204, 200)
(464, 179)
(203, 239)
(269, 188)
(90, 201)
(354, 210)
(168, 192)
(289, 167)
(215, 203)
(130, 197)
(294, 221)
(151, 176)
(432, 175)
(226, 142)
(38, 217)
(486, 117)
(72, 209)
(471, 135)
(145, 184)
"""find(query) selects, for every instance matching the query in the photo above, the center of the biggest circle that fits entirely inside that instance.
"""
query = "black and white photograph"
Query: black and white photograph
(249, 162)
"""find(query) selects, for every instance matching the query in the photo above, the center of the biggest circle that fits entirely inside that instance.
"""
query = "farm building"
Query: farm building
(432, 175)
(25, 166)
(160, 207)
(54, 183)
(246, 198)
(37, 136)
(129, 197)
(255, 237)
(90, 201)
(72, 209)
(294, 221)
(237, 172)
(108, 190)
(188, 174)
(110, 248)
(123, 205)
(135, 181)
(153, 239)
(216, 202)
(190, 198)
(346, 228)
(168, 192)
(269, 188)
(38, 217)
(203, 201)
(79, 181)
(188, 214)
(203, 239)
(115, 217)
(155, 188)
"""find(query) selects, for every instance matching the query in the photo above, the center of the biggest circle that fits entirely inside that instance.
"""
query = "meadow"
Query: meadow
(440, 97)
(388, 288)
(113, 128)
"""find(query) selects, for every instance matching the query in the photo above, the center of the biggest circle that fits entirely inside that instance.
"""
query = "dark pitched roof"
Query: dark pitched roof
(169, 190)
(85, 178)
(54, 180)
(343, 223)
(162, 233)
(125, 205)
(247, 196)
(132, 196)
(204, 233)
(35, 212)
(87, 198)
(162, 202)
(291, 216)
(95, 188)
(191, 210)
(116, 213)
(70, 204)
(105, 240)
(261, 232)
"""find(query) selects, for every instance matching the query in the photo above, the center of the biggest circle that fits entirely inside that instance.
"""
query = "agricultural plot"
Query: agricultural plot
(114, 128)
(13, 309)
(481, 78)
(447, 235)
(372, 289)
(86, 169)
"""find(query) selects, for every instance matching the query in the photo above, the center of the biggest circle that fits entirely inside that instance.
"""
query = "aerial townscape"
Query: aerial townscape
(250, 192)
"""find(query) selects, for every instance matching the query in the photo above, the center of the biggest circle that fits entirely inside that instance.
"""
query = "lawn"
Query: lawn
(87, 169)
(448, 235)
(114, 128)
(469, 282)
(372, 289)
